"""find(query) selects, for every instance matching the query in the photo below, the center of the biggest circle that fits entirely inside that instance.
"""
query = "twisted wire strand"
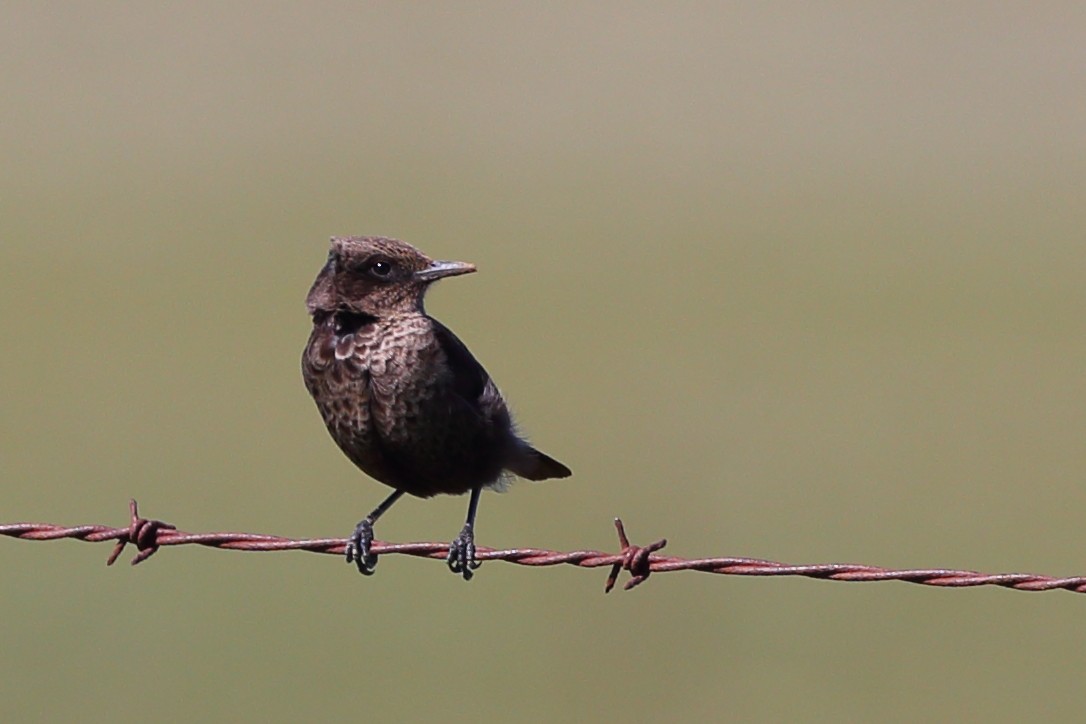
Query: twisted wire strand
(639, 561)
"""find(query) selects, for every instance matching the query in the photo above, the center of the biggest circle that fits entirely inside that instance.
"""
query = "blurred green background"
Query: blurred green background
(793, 281)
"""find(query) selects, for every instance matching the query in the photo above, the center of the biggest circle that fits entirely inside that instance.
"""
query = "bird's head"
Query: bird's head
(376, 276)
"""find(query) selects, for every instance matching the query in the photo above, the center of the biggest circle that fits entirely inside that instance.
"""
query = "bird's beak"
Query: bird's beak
(441, 269)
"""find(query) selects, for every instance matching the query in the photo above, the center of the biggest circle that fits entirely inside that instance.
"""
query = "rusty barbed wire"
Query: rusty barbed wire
(640, 561)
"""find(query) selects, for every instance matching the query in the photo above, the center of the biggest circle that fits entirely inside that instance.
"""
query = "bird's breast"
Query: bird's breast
(387, 396)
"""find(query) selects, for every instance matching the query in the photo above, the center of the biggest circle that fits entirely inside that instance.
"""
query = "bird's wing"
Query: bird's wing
(470, 380)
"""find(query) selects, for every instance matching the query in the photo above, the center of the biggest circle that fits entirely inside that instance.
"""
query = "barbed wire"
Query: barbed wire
(640, 561)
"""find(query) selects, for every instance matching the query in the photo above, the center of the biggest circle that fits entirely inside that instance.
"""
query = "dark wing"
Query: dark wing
(474, 385)
(469, 378)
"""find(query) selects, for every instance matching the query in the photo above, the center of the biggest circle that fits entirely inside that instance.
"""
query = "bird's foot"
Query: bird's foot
(358, 548)
(461, 558)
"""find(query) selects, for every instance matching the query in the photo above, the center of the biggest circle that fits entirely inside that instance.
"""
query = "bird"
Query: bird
(401, 395)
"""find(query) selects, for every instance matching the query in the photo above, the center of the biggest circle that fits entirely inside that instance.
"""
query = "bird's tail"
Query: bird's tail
(534, 465)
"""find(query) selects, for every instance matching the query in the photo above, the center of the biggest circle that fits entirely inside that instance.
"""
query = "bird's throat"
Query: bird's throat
(346, 322)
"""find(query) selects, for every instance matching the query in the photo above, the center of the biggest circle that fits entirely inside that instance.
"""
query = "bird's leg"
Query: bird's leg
(461, 557)
(358, 546)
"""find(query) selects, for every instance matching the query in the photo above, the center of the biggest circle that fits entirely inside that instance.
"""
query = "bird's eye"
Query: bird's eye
(380, 268)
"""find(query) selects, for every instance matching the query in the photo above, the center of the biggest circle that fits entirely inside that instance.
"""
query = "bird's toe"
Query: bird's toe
(461, 558)
(358, 548)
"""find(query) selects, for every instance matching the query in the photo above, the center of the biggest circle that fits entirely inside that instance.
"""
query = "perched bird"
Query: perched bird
(402, 396)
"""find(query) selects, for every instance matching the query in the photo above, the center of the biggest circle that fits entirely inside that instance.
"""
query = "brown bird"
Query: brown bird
(402, 396)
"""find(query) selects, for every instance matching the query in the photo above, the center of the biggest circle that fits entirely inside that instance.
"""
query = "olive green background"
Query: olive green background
(802, 282)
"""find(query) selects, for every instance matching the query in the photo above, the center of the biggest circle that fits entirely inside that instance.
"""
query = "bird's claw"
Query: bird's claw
(461, 558)
(358, 548)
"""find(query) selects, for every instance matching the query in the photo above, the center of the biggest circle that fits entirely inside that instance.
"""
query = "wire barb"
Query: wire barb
(635, 559)
(149, 535)
(141, 532)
